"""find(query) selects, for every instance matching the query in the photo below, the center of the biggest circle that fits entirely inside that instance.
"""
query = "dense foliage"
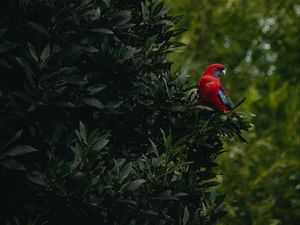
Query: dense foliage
(259, 42)
(94, 127)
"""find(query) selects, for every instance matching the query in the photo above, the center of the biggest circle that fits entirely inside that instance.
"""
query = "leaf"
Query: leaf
(221, 214)
(177, 44)
(150, 213)
(100, 144)
(32, 51)
(82, 131)
(154, 147)
(27, 71)
(20, 150)
(179, 31)
(102, 30)
(45, 53)
(37, 178)
(209, 184)
(14, 138)
(202, 107)
(12, 165)
(93, 102)
(162, 12)
(180, 194)
(124, 21)
(115, 104)
(136, 184)
(145, 11)
(119, 162)
(126, 170)
(186, 216)
(157, 7)
(77, 152)
(39, 28)
(166, 22)
(17, 221)
(168, 142)
(96, 88)
(107, 2)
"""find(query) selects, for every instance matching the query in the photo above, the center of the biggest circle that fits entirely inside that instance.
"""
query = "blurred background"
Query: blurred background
(258, 41)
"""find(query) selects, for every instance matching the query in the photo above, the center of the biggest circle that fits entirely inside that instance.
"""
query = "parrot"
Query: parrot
(211, 89)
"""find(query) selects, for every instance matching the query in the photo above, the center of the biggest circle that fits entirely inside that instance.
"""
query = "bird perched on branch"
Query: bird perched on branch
(211, 89)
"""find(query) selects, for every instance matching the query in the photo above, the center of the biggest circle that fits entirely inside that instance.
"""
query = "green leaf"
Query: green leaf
(82, 131)
(202, 107)
(180, 195)
(126, 170)
(119, 162)
(186, 216)
(115, 104)
(168, 142)
(136, 184)
(209, 184)
(145, 11)
(100, 144)
(124, 21)
(77, 152)
(17, 221)
(96, 88)
(150, 213)
(107, 2)
(32, 51)
(176, 44)
(37, 178)
(93, 102)
(45, 53)
(19, 150)
(166, 22)
(39, 28)
(12, 165)
(154, 147)
(102, 30)
(14, 138)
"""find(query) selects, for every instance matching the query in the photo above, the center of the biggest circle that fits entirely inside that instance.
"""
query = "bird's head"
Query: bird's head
(216, 70)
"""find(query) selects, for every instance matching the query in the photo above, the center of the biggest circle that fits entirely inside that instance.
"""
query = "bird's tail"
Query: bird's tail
(239, 103)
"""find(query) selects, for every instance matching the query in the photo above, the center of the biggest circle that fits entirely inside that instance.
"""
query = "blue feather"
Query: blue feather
(217, 73)
(224, 98)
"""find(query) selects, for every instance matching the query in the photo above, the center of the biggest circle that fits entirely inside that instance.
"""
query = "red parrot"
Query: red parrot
(211, 90)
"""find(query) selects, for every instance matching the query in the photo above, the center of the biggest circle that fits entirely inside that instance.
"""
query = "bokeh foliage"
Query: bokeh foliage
(259, 42)
(95, 129)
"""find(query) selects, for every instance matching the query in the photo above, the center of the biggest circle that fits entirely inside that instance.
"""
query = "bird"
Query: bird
(211, 89)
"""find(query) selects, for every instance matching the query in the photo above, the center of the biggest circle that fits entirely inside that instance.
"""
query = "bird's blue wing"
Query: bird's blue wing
(225, 99)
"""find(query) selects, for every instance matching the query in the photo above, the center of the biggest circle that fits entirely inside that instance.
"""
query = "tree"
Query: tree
(95, 129)
(258, 43)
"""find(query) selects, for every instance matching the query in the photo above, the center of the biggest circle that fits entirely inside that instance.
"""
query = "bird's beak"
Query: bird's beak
(223, 71)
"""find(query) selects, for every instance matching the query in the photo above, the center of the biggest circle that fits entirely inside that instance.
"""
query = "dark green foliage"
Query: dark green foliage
(94, 128)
